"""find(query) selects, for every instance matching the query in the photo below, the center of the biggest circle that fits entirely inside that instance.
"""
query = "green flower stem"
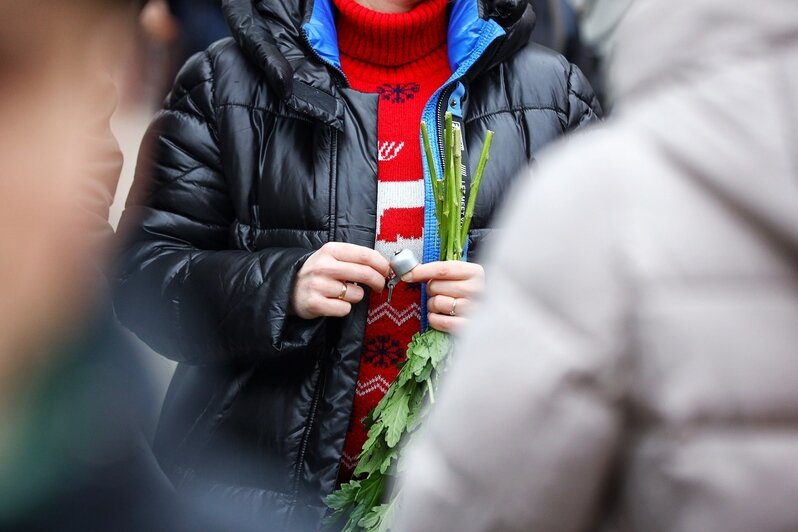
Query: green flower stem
(367, 503)
(457, 195)
(452, 195)
(437, 186)
(430, 392)
(472, 195)
(448, 214)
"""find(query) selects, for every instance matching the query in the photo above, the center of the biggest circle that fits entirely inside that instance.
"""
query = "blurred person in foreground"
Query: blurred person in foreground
(598, 21)
(73, 398)
(60, 164)
(59, 169)
(634, 364)
(557, 27)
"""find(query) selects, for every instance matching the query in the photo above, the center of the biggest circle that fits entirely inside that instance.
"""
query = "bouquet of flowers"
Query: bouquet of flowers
(366, 502)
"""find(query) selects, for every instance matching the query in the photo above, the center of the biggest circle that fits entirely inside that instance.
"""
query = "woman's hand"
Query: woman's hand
(452, 287)
(325, 286)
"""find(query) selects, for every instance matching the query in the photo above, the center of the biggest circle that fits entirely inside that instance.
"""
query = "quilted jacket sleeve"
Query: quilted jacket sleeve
(179, 287)
(583, 106)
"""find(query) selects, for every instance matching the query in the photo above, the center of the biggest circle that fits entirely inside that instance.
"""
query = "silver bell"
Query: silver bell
(402, 263)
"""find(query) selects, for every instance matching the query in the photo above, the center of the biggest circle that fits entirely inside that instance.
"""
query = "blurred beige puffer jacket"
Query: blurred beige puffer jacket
(635, 363)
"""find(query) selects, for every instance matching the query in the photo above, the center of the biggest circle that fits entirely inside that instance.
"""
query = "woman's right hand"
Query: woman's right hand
(319, 287)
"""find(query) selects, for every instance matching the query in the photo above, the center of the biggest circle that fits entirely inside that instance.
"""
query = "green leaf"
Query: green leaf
(334, 518)
(368, 496)
(358, 513)
(372, 451)
(440, 346)
(371, 489)
(386, 522)
(373, 518)
(420, 353)
(405, 375)
(419, 364)
(387, 463)
(377, 412)
(379, 519)
(343, 496)
(371, 459)
(418, 411)
(374, 433)
(425, 374)
(342, 501)
(395, 419)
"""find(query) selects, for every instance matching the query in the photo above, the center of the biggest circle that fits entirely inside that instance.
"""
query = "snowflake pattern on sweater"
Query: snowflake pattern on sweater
(403, 60)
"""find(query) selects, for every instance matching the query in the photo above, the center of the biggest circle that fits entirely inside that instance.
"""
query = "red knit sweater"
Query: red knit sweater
(403, 58)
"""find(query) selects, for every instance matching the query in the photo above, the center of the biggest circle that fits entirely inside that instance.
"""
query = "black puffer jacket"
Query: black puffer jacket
(236, 188)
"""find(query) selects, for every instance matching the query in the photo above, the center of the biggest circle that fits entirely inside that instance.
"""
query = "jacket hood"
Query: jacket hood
(713, 83)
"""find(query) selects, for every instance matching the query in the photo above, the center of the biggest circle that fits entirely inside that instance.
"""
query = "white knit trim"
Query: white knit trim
(400, 194)
(390, 150)
(375, 383)
(399, 317)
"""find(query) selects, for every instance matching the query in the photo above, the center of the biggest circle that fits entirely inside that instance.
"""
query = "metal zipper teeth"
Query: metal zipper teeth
(439, 117)
(339, 74)
(333, 230)
(303, 446)
(314, 406)
(443, 101)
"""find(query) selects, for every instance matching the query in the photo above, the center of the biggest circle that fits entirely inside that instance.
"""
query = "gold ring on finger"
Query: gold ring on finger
(453, 312)
(344, 289)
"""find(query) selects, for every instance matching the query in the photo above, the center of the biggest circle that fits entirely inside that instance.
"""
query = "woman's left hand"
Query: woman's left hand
(452, 286)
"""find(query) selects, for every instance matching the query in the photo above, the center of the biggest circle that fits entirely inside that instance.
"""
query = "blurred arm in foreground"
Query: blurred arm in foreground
(60, 168)
(642, 375)
(73, 396)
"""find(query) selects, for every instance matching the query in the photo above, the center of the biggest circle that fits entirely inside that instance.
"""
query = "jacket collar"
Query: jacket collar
(305, 33)
(466, 28)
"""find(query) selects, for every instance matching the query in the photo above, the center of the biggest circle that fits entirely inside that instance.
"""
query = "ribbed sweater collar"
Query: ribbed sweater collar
(391, 40)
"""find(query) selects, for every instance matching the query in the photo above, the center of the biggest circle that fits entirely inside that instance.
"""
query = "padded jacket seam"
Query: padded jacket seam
(263, 109)
(212, 126)
(522, 109)
(173, 105)
(582, 99)
(167, 182)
